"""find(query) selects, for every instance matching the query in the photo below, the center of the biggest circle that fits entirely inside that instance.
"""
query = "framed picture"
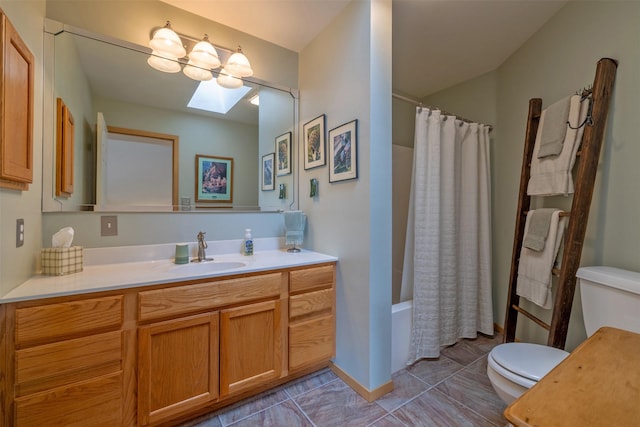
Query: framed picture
(314, 145)
(283, 153)
(343, 152)
(268, 178)
(214, 179)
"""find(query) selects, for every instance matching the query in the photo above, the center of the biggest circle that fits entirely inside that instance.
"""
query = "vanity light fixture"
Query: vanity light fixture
(168, 49)
(166, 42)
(228, 81)
(238, 65)
(164, 63)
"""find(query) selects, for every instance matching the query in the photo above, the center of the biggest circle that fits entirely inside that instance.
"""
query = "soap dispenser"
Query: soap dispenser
(248, 242)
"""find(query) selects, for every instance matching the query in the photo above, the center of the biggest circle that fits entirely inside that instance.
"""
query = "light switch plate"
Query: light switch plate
(108, 225)
(19, 232)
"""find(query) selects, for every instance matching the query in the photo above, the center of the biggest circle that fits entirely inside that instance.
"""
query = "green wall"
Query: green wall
(18, 264)
(555, 62)
(558, 60)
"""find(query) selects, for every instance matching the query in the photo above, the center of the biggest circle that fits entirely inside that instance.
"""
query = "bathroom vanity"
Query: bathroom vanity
(166, 345)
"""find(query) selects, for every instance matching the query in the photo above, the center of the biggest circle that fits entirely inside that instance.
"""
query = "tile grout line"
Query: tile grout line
(465, 406)
(290, 397)
(304, 413)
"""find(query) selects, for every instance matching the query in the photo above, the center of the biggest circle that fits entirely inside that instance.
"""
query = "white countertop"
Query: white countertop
(106, 275)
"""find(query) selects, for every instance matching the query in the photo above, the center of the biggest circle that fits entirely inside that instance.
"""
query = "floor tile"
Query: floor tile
(473, 389)
(405, 388)
(281, 415)
(207, 420)
(469, 350)
(433, 408)
(336, 404)
(252, 405)
(310, 382)
(388, 421)
(434, 370)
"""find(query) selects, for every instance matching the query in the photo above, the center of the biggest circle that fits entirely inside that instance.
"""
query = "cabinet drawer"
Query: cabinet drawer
(206, 296)
(52, 365)
(311, 341)
(55, 321)
(310, 303)
(97, 402)
(311, 278)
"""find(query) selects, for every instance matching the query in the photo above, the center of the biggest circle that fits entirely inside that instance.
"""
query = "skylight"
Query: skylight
(210, 96)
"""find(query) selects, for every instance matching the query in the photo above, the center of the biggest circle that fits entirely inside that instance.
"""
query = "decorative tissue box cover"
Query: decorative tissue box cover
(61, 261)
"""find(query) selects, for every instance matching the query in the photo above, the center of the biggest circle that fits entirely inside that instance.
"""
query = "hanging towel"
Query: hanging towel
(551, 176)
(555, 128)
(294, 222)
(534, 269)
(538, 231)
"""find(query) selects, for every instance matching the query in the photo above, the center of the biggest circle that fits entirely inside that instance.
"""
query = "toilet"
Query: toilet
(609, 296)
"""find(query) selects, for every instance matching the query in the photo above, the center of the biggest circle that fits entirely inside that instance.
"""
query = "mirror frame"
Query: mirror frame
(50, 202)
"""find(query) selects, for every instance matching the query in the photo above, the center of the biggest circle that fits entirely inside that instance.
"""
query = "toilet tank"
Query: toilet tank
(610, 297)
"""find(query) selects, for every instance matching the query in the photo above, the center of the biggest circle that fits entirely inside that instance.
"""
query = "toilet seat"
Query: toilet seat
(524, 363)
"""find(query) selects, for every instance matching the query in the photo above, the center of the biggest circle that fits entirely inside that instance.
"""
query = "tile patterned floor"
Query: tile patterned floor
(452, 390)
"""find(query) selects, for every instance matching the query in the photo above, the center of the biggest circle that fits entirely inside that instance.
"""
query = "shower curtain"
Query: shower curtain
(447, 261)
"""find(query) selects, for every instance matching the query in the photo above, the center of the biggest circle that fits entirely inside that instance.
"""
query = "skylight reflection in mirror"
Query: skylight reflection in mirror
(210, 96)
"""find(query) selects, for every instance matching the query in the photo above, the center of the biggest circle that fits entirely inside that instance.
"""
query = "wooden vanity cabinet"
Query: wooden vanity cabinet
(178, 367)
(312, 316)
(251, 350)
(16, 108)
(159, 355)
(68, 362)
(190, 361)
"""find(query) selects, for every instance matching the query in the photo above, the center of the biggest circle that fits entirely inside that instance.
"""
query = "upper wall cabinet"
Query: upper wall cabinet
(16, 115)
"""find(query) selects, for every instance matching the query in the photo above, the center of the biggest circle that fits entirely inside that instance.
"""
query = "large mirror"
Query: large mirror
(110, 90)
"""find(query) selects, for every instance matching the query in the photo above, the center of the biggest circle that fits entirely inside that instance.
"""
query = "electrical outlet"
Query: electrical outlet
(109, 225)
(19, 232)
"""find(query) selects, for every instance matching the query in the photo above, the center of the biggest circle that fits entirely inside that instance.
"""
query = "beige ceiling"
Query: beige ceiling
(436, 43)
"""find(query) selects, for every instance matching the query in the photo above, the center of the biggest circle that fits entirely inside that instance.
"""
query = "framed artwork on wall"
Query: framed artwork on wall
(268, 178)
(343, 152)
(283, 154)
(314, 144)
(214, 179)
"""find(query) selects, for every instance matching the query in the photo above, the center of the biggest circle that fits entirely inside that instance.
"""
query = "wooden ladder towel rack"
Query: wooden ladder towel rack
(575, 232)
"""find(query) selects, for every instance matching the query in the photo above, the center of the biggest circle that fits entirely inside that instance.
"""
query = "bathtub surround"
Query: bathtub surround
(447, 261)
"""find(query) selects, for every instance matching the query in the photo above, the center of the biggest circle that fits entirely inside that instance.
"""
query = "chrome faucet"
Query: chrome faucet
(202, 245)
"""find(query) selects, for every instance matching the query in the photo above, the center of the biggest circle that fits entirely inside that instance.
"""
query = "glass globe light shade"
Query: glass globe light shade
(228, 81)
(166, 41)
(238, 65)
(197, 73)
(163, 62)
(204, 54)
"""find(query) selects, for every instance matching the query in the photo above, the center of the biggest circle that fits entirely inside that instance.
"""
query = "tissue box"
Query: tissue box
(61, 261)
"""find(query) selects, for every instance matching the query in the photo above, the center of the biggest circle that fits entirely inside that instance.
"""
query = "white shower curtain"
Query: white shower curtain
(447, 258)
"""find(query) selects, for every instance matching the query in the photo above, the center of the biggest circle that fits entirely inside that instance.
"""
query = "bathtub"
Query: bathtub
(400, 334)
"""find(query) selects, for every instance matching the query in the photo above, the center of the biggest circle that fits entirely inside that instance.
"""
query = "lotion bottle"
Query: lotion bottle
(248, 242)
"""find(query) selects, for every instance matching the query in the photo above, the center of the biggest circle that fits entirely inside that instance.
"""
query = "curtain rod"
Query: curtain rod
(446, 113)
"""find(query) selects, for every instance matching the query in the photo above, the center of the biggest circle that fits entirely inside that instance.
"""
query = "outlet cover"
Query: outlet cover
(108, 225)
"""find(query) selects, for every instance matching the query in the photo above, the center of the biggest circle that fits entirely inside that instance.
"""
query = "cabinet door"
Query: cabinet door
(16, 114)
(178, 367)
(250, 346)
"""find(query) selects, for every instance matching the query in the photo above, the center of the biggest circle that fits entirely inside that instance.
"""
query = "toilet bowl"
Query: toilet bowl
(609, 297)
(513, 368)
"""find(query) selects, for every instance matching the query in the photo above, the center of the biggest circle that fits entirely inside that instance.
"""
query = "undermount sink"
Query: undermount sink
(208, 266)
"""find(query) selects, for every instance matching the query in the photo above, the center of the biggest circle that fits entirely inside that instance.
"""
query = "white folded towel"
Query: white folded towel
(552, 175)
(534, 268)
